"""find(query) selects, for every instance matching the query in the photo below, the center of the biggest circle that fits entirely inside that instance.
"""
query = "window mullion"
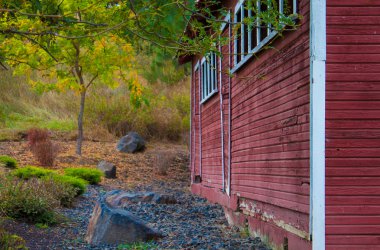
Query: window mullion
(250, 30)
(211, 72)
(208, 78)
(258, 28)
(242, 28)
(269, 7)
(235, 43)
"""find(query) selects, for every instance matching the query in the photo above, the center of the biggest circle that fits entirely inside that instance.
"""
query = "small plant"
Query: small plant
(42, 226)
(36, 135)
(11, 241)
(78, 184)
(63, 190)
(137, 246)
(162, 161)
(31, 172)
(42, 147)
(8, 161)
(93, 176)
(30, 200)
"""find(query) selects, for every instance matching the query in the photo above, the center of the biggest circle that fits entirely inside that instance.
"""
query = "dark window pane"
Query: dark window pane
(288, 7)
(246, 28)
(263, 26)
(238, 37)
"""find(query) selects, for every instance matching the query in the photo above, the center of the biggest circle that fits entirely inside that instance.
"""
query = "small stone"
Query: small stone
(108, 169)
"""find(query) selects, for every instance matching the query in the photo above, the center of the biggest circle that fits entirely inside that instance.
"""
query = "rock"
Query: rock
(108, 169)
(131, 143)
(116, 226)
(164, 199)
(118, 198)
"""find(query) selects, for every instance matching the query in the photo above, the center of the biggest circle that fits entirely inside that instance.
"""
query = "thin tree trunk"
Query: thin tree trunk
(80, 122)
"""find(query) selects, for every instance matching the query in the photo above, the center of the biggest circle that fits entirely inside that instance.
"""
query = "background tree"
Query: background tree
(64, 63)
(75, 44)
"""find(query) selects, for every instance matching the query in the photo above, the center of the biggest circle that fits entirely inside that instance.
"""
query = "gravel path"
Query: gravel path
(193, 223)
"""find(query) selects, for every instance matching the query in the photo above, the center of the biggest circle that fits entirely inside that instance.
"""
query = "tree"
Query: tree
(63, 63)
(76, 44)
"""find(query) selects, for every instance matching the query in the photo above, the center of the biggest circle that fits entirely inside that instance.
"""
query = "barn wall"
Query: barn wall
(353, 124)
(270, 131)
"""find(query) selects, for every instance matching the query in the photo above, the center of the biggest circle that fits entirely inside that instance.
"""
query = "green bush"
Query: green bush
(63, 190)
(78, 184)
(31, 200)
(8, 161)
(31, 172)
(93, 176)
(11, 241)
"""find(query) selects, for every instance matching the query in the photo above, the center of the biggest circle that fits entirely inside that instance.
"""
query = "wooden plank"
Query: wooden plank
(359, 229)
(352, 58)
(352, 209)
(294, 189)
(294, 206)
(353, 220)
(363, 240)
(358, 181)
(301, 172)
(362, 11)
(353, 49)
(352, 200)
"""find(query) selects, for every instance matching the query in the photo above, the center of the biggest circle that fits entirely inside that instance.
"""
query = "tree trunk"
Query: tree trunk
(80, 122)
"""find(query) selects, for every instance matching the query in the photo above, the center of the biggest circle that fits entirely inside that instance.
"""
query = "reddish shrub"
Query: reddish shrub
(42, 147)
(37, 135)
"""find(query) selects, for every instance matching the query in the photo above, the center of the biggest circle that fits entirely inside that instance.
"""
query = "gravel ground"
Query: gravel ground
(193, 223)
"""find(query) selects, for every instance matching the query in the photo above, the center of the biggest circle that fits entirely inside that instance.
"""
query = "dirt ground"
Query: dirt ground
(132, 169)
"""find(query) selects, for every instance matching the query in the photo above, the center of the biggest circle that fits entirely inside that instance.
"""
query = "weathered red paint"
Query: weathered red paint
(353, 125)
(270, 156)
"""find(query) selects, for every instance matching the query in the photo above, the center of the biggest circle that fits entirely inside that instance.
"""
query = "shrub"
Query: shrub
(93, 176)
(37, 135)
(45, 152)
(30, 200)
(78, 184)
(162, 162)
(8, 161)
(31, 172)
(11, 241)
(42, 147)
(63, 191)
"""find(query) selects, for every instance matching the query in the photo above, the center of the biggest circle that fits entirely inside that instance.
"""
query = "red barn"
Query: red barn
(290, 143)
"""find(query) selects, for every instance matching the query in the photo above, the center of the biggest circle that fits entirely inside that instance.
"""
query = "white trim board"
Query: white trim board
(317, 122)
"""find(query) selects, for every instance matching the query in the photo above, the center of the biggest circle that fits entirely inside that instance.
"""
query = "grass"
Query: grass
(10, 241)
(8, 161)
(78, 184)
(137, 246)
(167, 116)
(93, 176)
(29, 172)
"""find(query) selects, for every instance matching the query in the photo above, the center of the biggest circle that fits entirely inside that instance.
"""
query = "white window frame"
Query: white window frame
(260, 44)
(209, 76)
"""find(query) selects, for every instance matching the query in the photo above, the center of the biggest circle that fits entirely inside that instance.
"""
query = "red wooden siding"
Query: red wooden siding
(270, 127)
(353, 125)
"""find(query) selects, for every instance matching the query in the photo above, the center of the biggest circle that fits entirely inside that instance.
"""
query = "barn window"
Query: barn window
(209, 76)
(250, 38)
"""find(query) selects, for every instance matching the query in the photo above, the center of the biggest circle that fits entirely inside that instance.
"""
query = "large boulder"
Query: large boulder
(109, 225)
(131, 143)
(108, 169)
